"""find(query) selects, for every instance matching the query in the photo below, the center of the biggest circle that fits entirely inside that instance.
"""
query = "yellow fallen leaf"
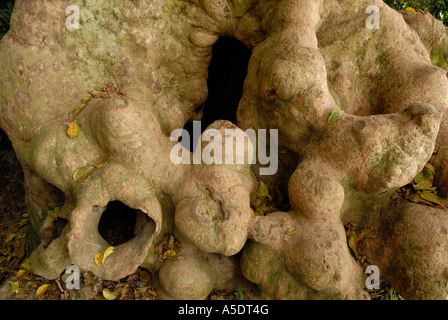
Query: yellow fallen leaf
(86, 100)
(20, 273)
(263, 191)
(109, 295)
(10, 237)
(290, 231)
(102, 256)
(73, 130)
(14, 287)
(415, 197)
(153, 293)
(335, 114)
(26, 264)
(107, 253)
(424, 179)
(431, 197)
(431, 168)
(83, 173)
(99, 258)
(23, 222)
(101, 165)
(412, 10)
(82, 107)
(369, 233)
(351, 236)
(258, 212)
(54, 213)
(42, 289)
(169, 255)
(252, 212)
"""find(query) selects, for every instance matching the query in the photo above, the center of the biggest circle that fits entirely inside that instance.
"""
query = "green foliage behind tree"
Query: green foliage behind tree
(438, 8)
(5, 16)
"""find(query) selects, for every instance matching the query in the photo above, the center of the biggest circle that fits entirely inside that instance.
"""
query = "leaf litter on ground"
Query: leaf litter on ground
(422, 189)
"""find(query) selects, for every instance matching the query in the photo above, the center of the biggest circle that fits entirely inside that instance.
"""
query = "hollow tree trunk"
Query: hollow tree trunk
(135, 71)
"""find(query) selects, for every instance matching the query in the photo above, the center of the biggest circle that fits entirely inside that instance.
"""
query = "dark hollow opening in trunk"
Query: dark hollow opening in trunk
(117, 223)
(226, 74)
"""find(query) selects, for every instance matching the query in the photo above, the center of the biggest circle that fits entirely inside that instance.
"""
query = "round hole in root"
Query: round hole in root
(118, 223)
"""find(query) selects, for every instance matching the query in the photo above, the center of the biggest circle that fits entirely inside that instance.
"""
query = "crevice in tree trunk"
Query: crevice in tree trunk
(227, 72)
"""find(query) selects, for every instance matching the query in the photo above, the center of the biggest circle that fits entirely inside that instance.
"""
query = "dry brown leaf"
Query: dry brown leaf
(144, 275)
(120, 91)
(97, 93)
